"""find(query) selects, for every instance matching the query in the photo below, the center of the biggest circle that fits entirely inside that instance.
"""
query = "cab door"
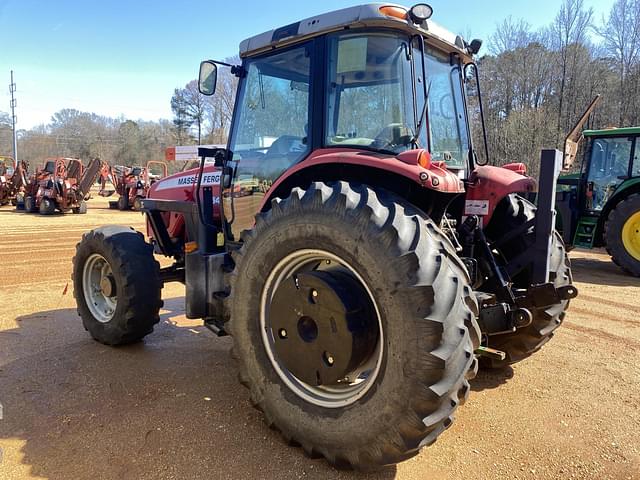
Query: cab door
(270, 130)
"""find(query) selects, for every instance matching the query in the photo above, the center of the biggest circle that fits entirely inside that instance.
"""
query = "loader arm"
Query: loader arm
(89, 176)
(572, 141)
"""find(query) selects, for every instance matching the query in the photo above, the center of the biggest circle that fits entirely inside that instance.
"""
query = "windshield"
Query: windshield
(370, 99)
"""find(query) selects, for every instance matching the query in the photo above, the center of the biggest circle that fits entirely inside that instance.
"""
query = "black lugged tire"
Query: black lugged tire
(29, 204)
(47, 206)
(613, 234)
(137, 280)
(123, 202)
(81, 208)
(427, 310)
(511, 213)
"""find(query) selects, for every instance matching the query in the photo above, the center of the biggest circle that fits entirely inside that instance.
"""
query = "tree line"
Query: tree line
(535, 84)
(120, 141)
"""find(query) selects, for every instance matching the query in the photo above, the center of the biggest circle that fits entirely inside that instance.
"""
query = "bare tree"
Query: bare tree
(569, 28)
(621, 39)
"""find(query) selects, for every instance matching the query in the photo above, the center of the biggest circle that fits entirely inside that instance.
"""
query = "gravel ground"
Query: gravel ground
(170, 407)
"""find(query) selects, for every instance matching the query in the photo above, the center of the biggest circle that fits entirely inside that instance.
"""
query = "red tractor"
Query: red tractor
(346, 238)
(13, 180)
(132, 183)
(61, 184)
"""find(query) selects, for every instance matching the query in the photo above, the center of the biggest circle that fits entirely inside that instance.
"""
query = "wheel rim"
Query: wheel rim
(99, 288)
(362, 362)
(631, 235)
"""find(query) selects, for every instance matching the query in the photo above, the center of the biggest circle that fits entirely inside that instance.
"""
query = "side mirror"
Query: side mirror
(207, 78)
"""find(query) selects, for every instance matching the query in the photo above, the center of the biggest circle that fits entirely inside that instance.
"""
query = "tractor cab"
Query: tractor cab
(611, 161)
(374, 81)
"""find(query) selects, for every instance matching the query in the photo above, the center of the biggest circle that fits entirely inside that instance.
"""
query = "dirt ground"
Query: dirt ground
(171, 407)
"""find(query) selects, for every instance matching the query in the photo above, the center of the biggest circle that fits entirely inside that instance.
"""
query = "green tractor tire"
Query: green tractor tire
(622, 234)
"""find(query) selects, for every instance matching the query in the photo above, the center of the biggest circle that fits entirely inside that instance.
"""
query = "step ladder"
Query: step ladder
(585, 232)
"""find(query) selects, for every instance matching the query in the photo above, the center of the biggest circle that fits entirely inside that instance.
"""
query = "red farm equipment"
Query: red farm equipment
(13, 180)
(61, 184)
(347, 238)
(131, 183)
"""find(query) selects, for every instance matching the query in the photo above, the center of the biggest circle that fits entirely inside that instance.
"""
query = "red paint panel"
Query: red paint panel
(488, 185)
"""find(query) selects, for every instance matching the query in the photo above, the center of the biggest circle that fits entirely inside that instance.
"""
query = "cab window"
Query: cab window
(608, 168)
(270, 133)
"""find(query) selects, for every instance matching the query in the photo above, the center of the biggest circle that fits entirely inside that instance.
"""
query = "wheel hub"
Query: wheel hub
(108, 286)
(323, 324)
(631, 235)
(99, 288)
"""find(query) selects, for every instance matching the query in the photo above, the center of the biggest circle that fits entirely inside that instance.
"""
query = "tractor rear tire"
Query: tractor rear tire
(81, 208)
(622, 234)
(511, 213)
(47, 206)
(425, 314)
(29, 204)
(123, 202)
(117, 286)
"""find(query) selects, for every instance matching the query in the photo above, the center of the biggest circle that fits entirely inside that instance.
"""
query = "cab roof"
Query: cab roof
(610, 132)
(369, 15)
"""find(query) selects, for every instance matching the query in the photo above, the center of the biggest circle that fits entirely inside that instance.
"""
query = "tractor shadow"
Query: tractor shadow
(488, 379)
(169, 406)
(601, 271)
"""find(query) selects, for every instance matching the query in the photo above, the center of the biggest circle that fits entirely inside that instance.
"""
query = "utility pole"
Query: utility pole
(14, 119)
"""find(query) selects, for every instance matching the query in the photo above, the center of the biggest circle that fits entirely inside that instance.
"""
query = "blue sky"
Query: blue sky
(126, 57)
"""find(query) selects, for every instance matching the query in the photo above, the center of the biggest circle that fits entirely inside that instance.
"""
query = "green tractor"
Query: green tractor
(600, 205)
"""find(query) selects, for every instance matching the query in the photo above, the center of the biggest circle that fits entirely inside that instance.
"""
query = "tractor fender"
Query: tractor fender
(488, 185)
(414, 165)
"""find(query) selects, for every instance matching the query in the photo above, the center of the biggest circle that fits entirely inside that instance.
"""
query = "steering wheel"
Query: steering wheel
(392, 136)
(283, 145)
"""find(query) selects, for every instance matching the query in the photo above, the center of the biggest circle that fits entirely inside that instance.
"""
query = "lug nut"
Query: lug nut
(282, 333)
(314, 293)
(329, 359)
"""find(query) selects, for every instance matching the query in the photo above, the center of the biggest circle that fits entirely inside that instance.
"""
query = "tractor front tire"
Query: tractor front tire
(81, 208)
(622, 234)
(393, 266)
(47, 206)
(29, 204)
(117, 286)
(123, 202)
(511, 213)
